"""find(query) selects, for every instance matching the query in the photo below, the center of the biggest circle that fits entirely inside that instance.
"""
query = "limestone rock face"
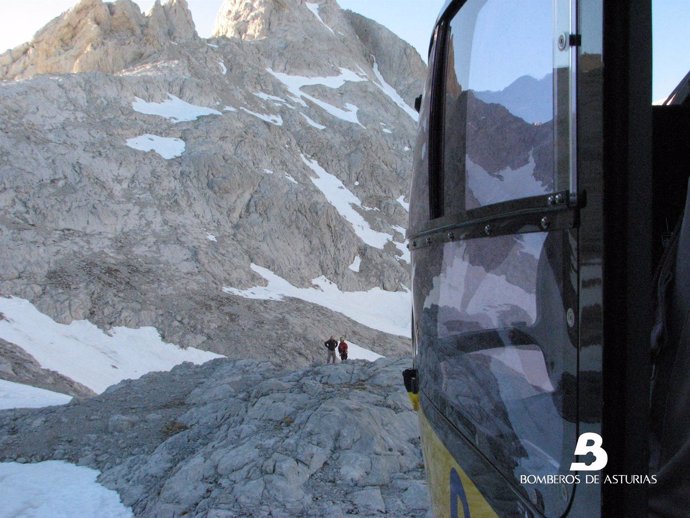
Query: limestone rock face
(241, 438)
(144, 170)
(251, 20)
(172, 20)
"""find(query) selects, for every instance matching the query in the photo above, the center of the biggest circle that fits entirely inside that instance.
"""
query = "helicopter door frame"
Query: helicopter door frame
(627, 248)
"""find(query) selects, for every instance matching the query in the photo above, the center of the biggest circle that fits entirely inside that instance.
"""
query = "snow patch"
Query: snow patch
(356, 264)
(167, 147)
(85, 353)
(387, 311)
(273, 98)
(392, 94)
(405, 252)
(223, 68)
(314, 8)
(357, 352)
(294, 84)
(384, 128)
(405, 205)
(532, 243)
(18, 395)
(277, 120)
(211, 237)
(312, 123)
(344, 202)
(174, 109)
(56, 489)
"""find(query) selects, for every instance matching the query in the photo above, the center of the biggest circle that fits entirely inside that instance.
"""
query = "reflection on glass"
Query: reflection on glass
(497, 348)
(498, 113)
(419, 203)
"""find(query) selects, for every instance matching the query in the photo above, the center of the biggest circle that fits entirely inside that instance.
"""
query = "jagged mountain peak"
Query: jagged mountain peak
(256, 19)
(172, 18)
(317, 37)
(98, 36)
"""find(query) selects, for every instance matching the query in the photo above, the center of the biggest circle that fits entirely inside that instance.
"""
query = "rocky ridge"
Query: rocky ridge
(94, 228)
(97, 36)
(235, 438)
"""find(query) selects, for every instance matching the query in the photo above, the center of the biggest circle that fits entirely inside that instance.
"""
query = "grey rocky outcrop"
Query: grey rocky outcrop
(241, 438)
(93, 229)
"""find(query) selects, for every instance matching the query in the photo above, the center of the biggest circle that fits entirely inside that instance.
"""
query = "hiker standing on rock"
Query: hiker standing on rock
(342, 349)
(330, 344)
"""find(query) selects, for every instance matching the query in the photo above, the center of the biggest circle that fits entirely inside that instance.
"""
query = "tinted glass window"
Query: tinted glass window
(496, 351)
(498, 107)
(419, 197)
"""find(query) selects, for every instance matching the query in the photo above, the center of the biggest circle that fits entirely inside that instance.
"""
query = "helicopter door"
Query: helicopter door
(495, 257)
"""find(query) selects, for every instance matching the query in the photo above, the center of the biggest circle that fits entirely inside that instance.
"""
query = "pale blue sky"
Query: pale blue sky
(412, 20)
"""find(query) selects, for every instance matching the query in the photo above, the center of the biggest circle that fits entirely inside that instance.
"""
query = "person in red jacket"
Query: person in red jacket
(342, 349)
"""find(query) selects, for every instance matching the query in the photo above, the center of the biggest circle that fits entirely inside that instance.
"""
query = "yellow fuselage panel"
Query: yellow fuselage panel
(453, 494)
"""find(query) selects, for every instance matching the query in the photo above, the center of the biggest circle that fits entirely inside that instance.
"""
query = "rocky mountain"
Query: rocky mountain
(241, 438)
(214, 189)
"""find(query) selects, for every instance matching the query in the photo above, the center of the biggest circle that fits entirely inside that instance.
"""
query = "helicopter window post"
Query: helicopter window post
(422, 193)
(566, 42)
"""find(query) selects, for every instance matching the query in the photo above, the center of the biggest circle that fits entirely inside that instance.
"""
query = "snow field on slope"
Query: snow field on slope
(344, 202)
(294, 85)
(386, 311)
(173, 109)
(89, 356)
(18, 395)
(393, 94)
(166, 147)
(56, 489)
(85, 353)
(314, 8)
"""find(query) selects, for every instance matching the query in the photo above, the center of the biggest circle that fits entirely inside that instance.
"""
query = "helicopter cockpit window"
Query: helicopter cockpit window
(498, 105)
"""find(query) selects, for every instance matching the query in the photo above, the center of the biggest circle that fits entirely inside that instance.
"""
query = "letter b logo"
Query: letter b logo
(590, 443)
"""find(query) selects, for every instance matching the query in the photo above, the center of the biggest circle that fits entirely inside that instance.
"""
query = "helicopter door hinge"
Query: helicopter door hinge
(411, 379)
(567, 40)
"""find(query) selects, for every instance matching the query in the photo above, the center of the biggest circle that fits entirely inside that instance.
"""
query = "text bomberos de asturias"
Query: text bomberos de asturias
(588, 479)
